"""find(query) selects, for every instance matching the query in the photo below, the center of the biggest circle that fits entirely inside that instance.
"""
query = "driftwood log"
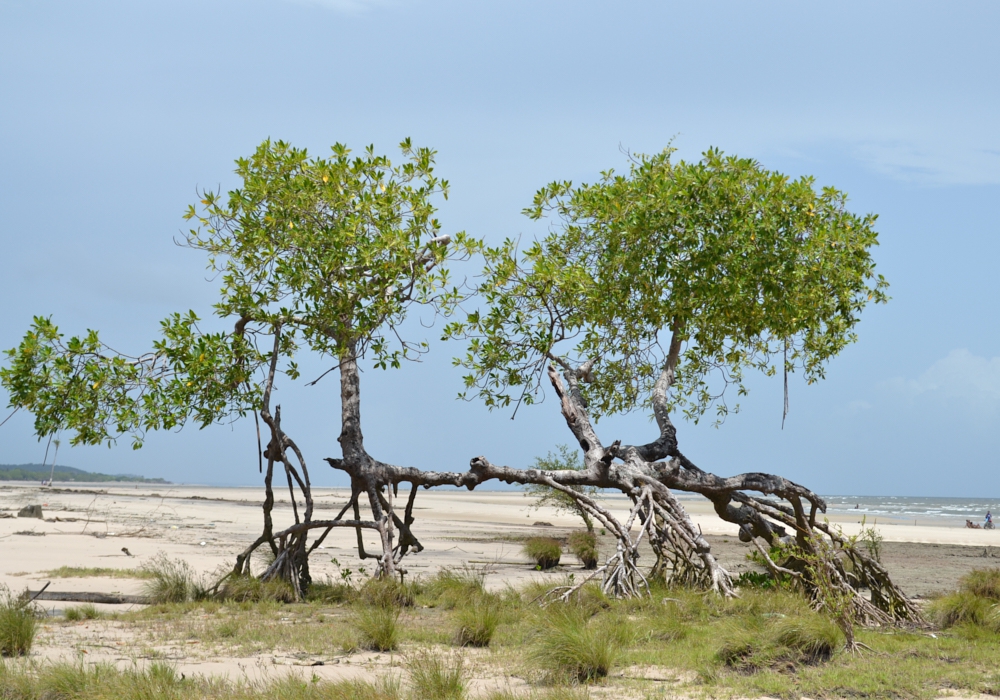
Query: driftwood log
(87, 597)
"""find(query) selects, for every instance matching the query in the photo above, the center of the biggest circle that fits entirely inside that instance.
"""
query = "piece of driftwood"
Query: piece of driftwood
(88, 597)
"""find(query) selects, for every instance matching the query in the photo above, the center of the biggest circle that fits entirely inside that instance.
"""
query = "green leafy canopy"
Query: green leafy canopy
(334, 251)
(743, 266)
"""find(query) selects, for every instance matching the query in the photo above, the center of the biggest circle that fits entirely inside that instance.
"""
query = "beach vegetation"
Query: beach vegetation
(450, 588)
(242, 588)
(976, 602)
(82, 612)
(97, 572)
(572, 643)
(583, 545)
(387, 593)
(376, 626)
(478, 619)
(18, 624)
(544, 551)
(432, 676)
(984, 583)
(170, 580)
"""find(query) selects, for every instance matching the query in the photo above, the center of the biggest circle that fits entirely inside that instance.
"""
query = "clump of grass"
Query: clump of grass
(984, 583)
(169, 580)
(96, 571)
(386, 592)
(961, 608)
(18, 624)
(377, 627)
(584, 547)
(478, 621)
(430, 677)
(570, 643)
(814, 638)
(82, 612)
(250, 589)
(375, 616)
(386, 688)
(760, 643)
(976, 602)
(450, 588)
(544, 551)
(331, 592)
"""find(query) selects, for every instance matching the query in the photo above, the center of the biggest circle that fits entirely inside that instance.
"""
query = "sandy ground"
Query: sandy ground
(90, 525)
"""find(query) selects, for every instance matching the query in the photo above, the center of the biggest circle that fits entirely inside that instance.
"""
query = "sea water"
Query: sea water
(904, 510)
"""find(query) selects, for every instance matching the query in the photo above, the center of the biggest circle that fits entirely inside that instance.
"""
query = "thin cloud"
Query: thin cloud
(351, 7)
(940, 164)
(961, 376)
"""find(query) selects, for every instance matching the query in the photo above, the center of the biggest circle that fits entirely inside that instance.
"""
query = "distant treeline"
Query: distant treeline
(40, 472)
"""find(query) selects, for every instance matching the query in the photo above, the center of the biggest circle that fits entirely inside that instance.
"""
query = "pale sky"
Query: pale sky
(113, 113)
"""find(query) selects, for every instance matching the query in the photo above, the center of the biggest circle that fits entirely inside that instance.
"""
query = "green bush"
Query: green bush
(430, 678)
(544, 551)
(571, 643)
(18, 624)
(584, 546)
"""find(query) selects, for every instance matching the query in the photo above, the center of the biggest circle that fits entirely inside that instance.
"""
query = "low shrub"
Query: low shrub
(430, 677)
(584, 546)
(544, 551)
(18, 624)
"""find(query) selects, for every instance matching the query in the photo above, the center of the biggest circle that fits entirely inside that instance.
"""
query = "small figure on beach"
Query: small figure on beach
(973, 526)
(988, 525)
